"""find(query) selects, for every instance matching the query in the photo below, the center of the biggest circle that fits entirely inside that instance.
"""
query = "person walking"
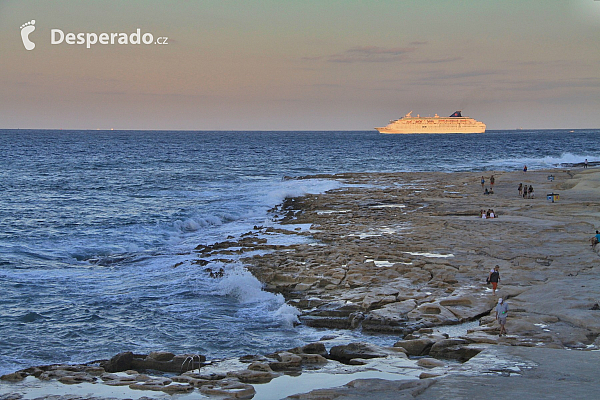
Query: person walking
(494, 278)
(501, 314)
(595, 239)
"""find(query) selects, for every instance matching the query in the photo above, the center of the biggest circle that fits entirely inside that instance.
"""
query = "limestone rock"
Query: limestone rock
(13, 377)
(377, 300)
(260, 366)
(416, 347)
(311, 348)
(427, 375)
(161, 355)
(313, 359)
(430, 363)
(345, 353)
(119, 362)
(457, 349)
(250, 376)
(286, 361)
(229, 388)
(179, 363)
(434, 312)
(391, 318)
(77, 377)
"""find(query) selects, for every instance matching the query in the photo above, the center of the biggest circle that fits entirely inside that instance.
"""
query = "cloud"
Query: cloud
(592, 83)
(438, 60)
(371, 54)
(436, 78)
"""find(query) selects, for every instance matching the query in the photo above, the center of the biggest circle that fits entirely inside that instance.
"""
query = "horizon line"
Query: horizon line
(278, 130)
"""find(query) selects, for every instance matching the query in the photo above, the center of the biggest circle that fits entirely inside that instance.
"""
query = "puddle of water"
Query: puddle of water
(458, 329)
(364, 235)
(32, 388)
(286, 385)
(432, 255)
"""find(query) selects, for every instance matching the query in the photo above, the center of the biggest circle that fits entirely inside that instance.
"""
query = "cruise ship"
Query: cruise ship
(455, 123)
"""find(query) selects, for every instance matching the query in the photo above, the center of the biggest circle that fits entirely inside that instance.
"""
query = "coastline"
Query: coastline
(401, 253)
(404, 236)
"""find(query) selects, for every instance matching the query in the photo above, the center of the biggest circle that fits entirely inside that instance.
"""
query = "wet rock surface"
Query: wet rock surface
(402, 254)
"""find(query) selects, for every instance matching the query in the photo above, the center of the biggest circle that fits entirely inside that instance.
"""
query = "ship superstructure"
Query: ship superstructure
(455, 123)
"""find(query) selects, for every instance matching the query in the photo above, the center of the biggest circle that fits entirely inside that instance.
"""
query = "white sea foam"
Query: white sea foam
(295, 188)
(288, 315)
(243, 286)
(195, 223)
(539, 162)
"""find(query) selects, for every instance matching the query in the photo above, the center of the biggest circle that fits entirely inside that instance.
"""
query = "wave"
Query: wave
(296, 188)
(196, 223)
(31, 317)
(244, 287)
(517, 163)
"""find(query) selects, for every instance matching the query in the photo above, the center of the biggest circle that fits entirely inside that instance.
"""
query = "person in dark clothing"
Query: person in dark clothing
(494, 278)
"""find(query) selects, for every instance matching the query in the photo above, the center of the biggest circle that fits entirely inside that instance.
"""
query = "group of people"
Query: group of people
(492, 181)
(487, 214)
(501, 308)
(526, 191)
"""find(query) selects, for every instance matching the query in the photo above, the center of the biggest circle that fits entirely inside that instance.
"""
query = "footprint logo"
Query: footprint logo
(26, 29)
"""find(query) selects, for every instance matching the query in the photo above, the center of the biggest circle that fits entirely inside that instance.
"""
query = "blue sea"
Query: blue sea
(98, 229)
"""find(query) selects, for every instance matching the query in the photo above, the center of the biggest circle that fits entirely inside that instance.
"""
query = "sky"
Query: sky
(299, 65)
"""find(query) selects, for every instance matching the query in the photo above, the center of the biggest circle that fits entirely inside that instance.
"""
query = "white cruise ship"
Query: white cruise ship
(455, 123)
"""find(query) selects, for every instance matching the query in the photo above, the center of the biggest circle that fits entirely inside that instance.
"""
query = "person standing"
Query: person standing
(492, 180)
(596, 239)
(525, 191)
(501, 314)
(585, 163)
(494, 278)
(482, 182)
(525, 168)
(520, 189)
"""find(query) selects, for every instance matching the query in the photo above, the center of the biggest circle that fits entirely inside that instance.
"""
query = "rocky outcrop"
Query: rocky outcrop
(159, 361)
(346, 353)
(406, 251)
(416, 347)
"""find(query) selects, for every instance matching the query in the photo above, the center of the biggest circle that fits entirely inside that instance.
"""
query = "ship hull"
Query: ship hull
(410, 130)
(411, 125)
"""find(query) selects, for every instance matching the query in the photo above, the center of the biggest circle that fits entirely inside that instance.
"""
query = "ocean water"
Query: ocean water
(98, 228)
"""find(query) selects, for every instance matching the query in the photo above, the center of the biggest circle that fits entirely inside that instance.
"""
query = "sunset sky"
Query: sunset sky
(302, 65)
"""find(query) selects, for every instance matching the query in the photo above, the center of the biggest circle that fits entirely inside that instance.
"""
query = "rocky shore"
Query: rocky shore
(401, 254)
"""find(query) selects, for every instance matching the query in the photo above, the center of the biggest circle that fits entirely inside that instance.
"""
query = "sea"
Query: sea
(98, 230)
